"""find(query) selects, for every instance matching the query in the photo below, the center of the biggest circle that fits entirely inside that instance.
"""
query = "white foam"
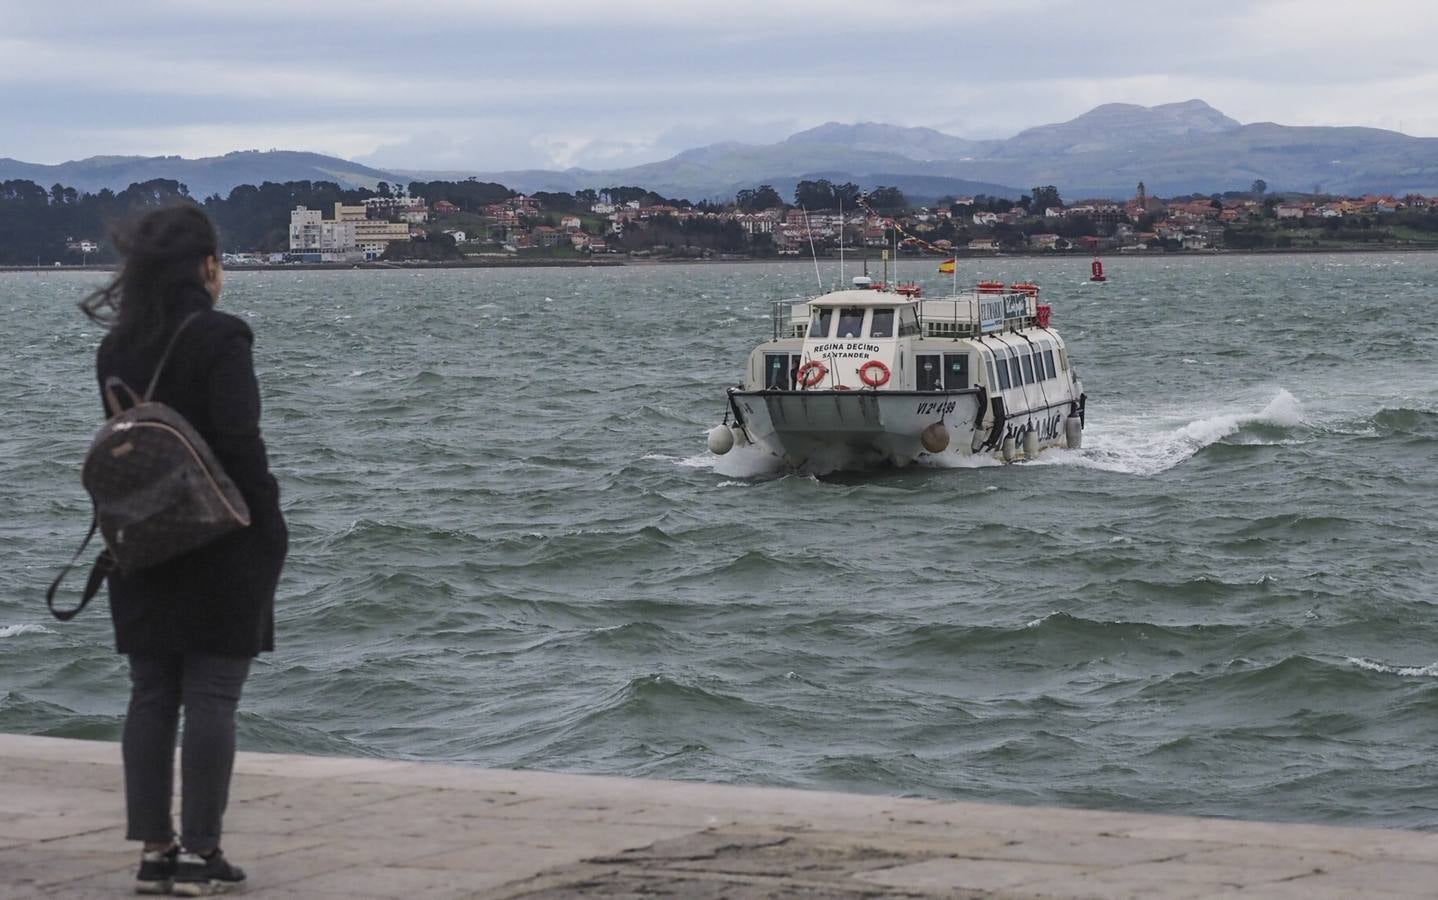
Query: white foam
(13, 630)
(956, 461)
(1428, 671)
(749, 461)
(1142, 445)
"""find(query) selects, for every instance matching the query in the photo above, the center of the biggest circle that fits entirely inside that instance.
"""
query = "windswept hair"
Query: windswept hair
(162, 251)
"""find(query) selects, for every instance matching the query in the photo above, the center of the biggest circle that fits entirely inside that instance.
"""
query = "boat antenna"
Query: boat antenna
(812, 252)
(956, 271)
(841, 243)
(897, 282)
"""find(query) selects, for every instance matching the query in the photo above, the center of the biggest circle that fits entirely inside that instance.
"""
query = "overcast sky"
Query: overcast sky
(472, 84)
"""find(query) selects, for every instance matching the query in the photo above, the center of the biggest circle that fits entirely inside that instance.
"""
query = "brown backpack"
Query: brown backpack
(157, 489)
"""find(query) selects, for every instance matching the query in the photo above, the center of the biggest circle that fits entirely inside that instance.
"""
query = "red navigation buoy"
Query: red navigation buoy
(1098, 274)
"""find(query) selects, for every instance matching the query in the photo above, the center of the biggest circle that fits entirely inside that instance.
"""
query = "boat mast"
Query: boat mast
(812, 252)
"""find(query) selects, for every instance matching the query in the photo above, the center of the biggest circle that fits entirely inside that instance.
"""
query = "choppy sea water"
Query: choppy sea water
(510, 548)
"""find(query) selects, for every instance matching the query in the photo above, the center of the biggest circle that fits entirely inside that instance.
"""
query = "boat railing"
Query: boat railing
(786, 322)
(962, 321)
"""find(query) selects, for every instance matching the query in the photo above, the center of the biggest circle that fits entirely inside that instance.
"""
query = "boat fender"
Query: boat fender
(874, 373)
(935, 438)
(811, 373)
(1031, 443)
(1073, 432)
(721, 440)
(741, 437)
(1010, 447)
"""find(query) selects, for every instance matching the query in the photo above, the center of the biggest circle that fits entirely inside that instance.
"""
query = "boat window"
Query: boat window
(956, 371)
(1028, 363)
(908, 322)
(851, 322)
(776, 372)
(819, 325)
(929, 376)
(883, 323)
(993, 378)
(1004, 382)
(1016, 371)
(1049, 363)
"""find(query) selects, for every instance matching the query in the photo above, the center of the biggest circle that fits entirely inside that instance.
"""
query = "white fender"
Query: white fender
(721, 440)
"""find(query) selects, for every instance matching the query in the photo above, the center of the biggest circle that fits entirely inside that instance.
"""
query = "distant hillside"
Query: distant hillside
(717, 171)
(911, 143)
(1174, 148)
(205, 176)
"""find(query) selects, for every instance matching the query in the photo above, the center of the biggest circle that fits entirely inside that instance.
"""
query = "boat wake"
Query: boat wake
(1132, 446)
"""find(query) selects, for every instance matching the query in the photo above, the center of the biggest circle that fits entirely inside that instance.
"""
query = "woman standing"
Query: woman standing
(192, 625)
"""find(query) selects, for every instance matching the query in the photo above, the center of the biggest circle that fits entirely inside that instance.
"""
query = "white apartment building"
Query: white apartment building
(350, 235)
(311, 233)
(305, 227)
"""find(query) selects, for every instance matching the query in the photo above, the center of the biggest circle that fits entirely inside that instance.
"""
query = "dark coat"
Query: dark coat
(219, 598)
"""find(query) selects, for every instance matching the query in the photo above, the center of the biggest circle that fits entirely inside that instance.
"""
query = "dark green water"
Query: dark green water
(510, 548)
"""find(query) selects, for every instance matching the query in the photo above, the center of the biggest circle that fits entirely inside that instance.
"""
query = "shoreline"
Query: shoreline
(307, 826)
(623, 261)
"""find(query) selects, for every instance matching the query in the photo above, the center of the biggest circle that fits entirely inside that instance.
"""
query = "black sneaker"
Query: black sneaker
(204, 876)
(157, 871)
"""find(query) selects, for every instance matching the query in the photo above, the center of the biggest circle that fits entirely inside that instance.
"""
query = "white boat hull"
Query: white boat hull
(856, 427)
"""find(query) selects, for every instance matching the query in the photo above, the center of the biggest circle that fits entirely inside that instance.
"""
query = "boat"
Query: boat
(873, 374)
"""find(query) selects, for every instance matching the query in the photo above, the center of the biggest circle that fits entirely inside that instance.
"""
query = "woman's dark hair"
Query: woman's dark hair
(162, 252)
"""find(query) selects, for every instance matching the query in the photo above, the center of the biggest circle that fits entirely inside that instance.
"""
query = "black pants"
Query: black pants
(208, 687)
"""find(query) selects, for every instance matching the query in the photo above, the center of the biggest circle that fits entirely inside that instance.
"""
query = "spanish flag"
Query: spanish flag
(947, 267)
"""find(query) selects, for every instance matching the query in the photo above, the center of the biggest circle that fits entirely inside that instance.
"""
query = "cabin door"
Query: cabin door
(930, 374)
(780, 371)
(956, 371)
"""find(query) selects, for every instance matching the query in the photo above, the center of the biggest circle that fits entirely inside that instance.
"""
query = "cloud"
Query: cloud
(491, 86)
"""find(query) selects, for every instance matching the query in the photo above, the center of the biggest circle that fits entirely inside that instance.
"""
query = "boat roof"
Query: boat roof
(859, 298)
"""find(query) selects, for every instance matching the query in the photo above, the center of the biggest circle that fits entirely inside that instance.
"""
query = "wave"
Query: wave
(1130, 446)
(1406, 422)
(1428, 671)
(14, 630)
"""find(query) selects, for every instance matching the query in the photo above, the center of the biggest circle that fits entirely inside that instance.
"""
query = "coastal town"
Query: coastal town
(470, 222)
(565, 224)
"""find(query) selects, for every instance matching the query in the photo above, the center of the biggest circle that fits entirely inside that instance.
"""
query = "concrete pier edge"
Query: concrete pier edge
(338, 827)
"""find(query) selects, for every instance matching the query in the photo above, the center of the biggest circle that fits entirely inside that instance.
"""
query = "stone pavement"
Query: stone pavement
(320, 827)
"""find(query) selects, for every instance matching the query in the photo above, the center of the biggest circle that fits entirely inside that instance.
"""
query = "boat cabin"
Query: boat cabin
(995, 337)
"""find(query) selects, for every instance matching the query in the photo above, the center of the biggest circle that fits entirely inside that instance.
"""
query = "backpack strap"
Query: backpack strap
(165, 357)
(118, 394)
(103, 566)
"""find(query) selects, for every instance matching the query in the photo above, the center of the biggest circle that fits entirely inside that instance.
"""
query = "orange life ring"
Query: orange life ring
(811, 373)
(874, 381)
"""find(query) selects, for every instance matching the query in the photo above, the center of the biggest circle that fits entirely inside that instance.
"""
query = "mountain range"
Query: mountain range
(1174, 148)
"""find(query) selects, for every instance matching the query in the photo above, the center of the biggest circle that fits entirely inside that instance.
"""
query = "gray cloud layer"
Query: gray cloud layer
(453, 84)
